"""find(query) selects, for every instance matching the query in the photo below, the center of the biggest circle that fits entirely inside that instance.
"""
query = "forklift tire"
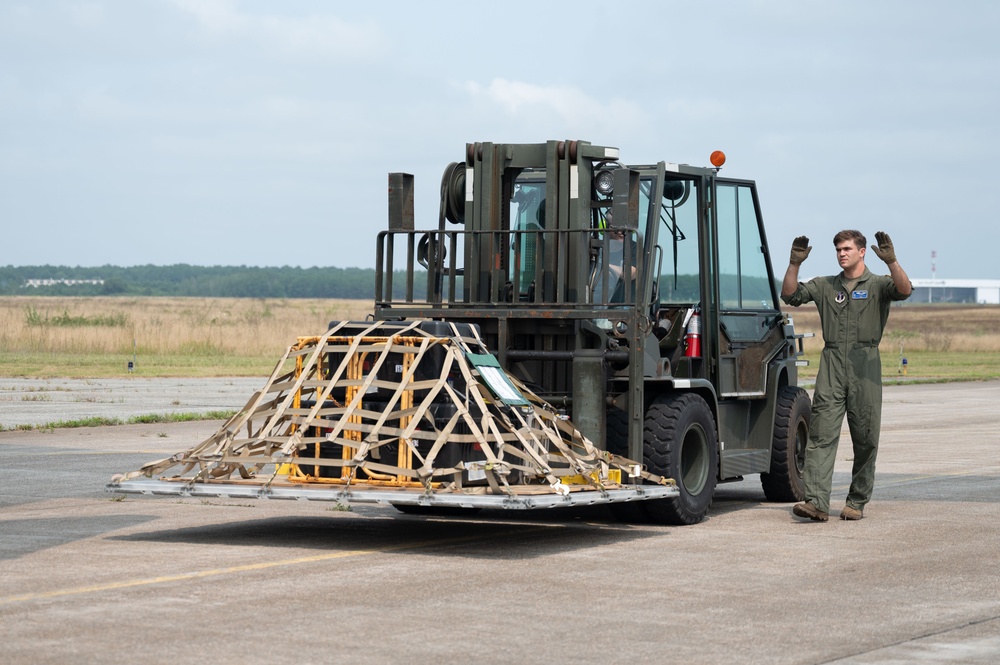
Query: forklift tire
(788, 449)
(631, 512)
(680, 442)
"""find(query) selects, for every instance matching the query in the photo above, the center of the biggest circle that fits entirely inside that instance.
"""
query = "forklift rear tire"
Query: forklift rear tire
(680, 442)
(784, 482)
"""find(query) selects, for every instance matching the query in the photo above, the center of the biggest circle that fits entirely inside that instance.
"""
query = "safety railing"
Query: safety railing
(536, 267)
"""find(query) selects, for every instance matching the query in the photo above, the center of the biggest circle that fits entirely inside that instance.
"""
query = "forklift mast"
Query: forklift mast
(528, 264)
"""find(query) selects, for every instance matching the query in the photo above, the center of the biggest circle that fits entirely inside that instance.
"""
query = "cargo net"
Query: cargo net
(389, 405)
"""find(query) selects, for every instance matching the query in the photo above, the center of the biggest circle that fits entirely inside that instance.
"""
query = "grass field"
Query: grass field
(939, 342)
(97, 337)
(188, 337)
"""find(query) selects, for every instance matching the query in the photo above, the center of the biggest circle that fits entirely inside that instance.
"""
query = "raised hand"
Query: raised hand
(800, 250)
(884, 249)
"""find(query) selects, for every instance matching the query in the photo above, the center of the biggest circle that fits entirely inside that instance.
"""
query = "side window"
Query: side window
(743, 278)
(678, 241)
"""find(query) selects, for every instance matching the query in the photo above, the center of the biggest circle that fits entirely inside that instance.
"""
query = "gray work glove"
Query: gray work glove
(884, 248)
(800, 250)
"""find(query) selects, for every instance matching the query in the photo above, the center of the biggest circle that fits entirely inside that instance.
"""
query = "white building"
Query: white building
(35, 283)
(972, 291)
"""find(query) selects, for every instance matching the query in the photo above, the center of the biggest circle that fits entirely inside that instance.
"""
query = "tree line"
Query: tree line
(194, 281)
(184, 280)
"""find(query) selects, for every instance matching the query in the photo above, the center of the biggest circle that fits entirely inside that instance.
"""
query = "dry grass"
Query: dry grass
(93, 337)
(169, 336)
(937, 328)
(940, 342)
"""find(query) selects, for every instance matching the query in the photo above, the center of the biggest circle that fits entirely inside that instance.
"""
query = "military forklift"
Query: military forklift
(638, 300)
(573, 331)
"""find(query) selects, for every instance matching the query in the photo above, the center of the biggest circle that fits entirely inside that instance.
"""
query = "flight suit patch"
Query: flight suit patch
(840, 297)
(859, 295)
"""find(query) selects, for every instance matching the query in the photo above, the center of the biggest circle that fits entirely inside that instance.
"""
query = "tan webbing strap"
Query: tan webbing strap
(523, 448)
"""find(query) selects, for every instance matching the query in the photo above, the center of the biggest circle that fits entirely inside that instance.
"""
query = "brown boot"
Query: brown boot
(810, 511)
(849, 513)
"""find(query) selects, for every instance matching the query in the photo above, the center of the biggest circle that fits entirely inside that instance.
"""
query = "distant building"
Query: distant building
(971, 291)
(35, 283)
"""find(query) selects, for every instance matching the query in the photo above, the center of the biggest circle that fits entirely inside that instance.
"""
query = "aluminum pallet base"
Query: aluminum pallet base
(358, 494)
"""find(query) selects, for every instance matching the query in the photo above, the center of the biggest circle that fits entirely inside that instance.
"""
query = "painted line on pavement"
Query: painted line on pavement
(265, 565)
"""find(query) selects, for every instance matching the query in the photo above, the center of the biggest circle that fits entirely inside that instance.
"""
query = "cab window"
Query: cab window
(744, 282)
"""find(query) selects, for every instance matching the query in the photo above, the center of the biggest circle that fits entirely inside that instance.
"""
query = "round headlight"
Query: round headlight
(604, 181)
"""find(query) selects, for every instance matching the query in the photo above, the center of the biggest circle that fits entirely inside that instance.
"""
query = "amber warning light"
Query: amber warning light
(718, 158)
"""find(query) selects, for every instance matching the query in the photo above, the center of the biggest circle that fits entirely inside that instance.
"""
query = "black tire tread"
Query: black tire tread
(660, 436)
(783, 483)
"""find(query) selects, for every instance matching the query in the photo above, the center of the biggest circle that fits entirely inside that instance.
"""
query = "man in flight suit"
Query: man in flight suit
(853, 308)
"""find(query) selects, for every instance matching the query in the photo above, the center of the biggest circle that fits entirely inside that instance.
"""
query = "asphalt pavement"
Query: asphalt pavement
(86, 576)
(39, 402)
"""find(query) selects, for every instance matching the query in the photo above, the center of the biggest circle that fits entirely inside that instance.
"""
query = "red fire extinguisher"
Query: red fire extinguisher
(692, 338)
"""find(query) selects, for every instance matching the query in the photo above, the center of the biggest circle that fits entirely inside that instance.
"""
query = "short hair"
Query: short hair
(850, 234)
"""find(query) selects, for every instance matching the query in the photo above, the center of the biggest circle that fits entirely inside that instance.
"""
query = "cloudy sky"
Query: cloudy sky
(226, 132)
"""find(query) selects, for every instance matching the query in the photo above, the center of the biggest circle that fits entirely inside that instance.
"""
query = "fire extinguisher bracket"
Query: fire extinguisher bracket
(692, 336)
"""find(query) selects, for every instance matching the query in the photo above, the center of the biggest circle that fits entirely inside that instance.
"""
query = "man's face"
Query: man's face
(849, 254)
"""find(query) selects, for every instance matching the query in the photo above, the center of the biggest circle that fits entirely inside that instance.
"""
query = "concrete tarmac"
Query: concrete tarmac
(89, 577)
(39, 402)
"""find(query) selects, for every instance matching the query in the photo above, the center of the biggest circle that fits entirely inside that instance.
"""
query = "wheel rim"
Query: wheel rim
(694, 460)
(801, 438)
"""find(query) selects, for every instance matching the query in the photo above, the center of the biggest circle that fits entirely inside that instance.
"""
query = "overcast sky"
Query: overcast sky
(220, 132)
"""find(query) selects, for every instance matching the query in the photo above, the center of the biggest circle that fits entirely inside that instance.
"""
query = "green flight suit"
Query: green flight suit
(849, 380)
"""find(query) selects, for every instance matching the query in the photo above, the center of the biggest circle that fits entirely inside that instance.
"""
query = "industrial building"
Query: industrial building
(963, 291)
